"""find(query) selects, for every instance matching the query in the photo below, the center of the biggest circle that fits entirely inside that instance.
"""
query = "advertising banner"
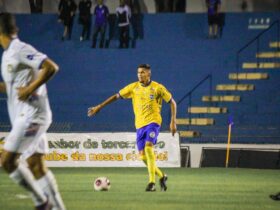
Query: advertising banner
(106, 150)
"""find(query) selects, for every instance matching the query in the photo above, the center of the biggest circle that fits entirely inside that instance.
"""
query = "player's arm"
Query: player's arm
(95, 109)
(173, 106)
(2, 87)
(48, 69)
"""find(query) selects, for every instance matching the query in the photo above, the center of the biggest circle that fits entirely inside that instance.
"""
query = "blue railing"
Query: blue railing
(257, 39)
(190, 93)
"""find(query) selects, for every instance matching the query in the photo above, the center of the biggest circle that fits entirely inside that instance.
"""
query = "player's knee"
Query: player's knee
(37, 170)
(143, 157)
(149, 144)
(37, 167)
(8, 162)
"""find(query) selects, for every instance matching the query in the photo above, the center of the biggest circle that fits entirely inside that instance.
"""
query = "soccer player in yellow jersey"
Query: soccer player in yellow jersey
(147, 99)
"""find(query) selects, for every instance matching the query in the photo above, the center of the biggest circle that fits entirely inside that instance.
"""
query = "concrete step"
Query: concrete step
(248, 76)
(221, 98)
(274, 44)
(235, 87)
(238, 130)
(207, 110)
(195, 121)
(268, 55)
(189, 134)
(267, 65)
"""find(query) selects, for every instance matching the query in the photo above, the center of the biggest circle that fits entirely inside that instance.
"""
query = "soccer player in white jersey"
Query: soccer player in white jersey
(25, 72)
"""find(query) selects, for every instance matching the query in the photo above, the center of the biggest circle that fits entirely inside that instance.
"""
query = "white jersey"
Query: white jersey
(20, 65)
(123, 14)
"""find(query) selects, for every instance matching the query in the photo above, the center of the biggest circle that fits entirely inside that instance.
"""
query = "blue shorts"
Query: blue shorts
(147, 133)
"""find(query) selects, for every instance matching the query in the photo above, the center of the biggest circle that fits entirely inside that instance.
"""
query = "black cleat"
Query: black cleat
(45, 206)
(162, 183)
(151, 187)
(275, 197)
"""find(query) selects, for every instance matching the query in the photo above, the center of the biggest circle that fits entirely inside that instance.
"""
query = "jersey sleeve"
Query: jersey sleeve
(126, 92)
(164, 93)
(29, 56)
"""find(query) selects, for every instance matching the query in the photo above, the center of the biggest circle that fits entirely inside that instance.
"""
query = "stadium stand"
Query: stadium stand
(179, 59)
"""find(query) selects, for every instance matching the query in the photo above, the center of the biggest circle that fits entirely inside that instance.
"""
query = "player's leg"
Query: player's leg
(151, 139)
(17, 142)
(141, 141)
(151, 165)
(143, 157)
(45, 178)
(153, 169)
(23, 177)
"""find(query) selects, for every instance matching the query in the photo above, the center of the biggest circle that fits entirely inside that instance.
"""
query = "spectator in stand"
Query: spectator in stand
(101, 13)
(36, 6)
(214, 8)
(123, 14)
(67, 9)
(85, 18)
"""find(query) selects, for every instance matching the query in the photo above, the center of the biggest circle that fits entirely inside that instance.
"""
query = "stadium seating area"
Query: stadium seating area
(180, 59)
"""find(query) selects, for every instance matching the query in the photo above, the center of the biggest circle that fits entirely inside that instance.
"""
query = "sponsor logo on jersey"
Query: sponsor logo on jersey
(152, 134)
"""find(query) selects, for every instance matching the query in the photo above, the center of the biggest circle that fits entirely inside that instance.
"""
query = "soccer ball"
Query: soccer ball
(101, 184)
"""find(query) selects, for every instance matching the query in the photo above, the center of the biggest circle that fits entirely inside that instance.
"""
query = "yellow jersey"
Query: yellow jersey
(146, 101)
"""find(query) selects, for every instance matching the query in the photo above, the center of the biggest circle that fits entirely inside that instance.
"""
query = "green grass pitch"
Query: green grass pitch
(188, 189)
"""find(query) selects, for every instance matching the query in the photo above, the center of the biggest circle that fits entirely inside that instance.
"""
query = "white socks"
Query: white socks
(49, 186)
(23, 177)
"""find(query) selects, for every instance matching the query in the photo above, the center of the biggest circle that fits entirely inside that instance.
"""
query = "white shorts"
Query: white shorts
(27, 138)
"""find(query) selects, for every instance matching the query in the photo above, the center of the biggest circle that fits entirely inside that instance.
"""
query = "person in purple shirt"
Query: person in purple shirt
(101, 13)
(213, 7)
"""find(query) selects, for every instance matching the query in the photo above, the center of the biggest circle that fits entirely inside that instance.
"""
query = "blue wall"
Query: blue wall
(176, 47)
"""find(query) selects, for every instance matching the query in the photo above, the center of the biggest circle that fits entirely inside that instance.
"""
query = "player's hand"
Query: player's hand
(93, 110)
(173, 127)
(24, 93)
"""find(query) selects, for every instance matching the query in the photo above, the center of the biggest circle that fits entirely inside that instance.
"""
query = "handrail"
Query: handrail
(209, 76)
(189, 94)
(258, 36)
(258, 44)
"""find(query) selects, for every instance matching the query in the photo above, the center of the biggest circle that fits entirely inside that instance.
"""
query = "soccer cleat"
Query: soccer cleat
(162, 183)
(45, 206)
(151, 187)
(275, 197)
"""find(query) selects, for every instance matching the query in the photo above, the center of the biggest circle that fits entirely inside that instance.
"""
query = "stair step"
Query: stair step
(189, 134)
(195, 121)
(268, 55)
(274, 44)
(224, 98)
(235, 87)
(207, 110)
(248, 76)
(267, 65)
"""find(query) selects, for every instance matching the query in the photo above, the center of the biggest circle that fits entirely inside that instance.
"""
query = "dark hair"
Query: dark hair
(8, 24)
(145, 66)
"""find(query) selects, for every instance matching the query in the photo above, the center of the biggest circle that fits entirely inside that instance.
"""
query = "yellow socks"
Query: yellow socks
(150, 160)
(158, 171)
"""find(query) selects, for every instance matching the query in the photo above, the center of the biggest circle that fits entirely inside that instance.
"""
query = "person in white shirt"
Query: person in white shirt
(25, 72)
(123, 15)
